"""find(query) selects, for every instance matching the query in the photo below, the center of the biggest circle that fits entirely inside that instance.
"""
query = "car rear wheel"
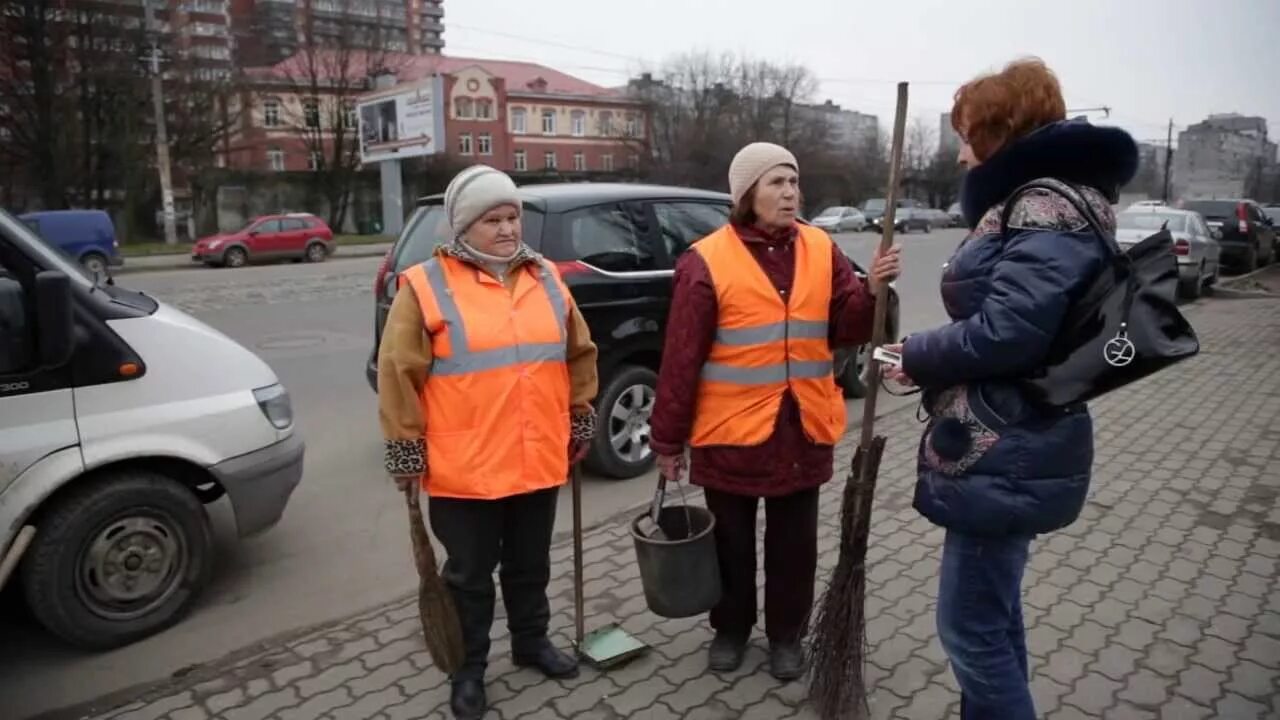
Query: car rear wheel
(94, 264)
(316, 252)
(1192, 289)
(235, 257)
(118, 559)
(621, 447)
(849, 370)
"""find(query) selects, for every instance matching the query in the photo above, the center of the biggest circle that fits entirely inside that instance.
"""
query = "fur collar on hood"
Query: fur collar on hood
(1075, 151)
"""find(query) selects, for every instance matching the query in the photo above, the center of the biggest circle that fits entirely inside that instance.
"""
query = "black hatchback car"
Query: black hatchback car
(616, 247)
(1245, 232)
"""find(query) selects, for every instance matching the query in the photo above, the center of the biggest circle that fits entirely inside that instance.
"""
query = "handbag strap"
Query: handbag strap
(1073, 196)
(1119, 259)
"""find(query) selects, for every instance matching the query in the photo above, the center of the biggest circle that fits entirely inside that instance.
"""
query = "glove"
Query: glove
(406, 461)
(582, 429)
(672, 467)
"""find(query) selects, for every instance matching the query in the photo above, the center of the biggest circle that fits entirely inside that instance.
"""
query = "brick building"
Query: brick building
(523, 118)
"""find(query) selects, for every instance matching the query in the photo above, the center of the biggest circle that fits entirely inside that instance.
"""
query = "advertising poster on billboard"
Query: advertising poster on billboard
(402, 122)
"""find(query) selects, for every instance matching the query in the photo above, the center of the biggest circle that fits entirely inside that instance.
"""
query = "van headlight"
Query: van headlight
(275, 404)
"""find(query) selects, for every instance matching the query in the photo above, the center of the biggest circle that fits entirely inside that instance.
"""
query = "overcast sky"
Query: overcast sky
(1145, 59)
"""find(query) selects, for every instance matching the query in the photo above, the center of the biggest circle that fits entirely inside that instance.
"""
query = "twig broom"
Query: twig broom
(440, 625)
(837, 686)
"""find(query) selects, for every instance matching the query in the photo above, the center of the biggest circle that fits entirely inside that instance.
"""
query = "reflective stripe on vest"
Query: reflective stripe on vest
(464, 360)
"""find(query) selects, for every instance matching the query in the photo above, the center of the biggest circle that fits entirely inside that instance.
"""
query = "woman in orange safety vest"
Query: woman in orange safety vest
(486, 372)
(746, 386)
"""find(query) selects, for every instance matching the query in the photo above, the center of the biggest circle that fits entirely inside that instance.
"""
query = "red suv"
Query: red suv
(297, 236)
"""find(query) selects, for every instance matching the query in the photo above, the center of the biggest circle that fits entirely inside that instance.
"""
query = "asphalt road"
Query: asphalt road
(342, 544)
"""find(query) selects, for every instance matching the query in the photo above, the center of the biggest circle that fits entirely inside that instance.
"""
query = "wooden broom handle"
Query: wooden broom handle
(882, 295)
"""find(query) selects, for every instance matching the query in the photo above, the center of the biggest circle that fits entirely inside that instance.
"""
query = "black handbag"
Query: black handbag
(1124, 328)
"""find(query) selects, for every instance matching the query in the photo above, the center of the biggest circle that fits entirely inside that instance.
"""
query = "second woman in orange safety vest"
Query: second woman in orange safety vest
(486, 372)
(746, 382)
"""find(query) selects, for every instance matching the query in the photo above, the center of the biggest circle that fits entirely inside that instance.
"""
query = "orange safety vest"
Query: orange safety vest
(496, 400)
(766, 345)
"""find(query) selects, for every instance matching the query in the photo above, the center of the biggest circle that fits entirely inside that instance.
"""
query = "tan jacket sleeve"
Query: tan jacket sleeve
(404, 359)
(584, 380)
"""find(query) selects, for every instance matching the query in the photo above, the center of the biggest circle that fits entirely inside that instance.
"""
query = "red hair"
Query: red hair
(993, 110)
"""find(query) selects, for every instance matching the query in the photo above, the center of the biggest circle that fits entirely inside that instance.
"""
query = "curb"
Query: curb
(1234, 289)
(153, 263)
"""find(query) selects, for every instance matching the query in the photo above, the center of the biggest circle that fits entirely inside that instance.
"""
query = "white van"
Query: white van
(120, 418)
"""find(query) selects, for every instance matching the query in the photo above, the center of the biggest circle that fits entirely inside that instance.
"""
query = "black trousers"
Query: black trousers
(480, 535)
(790, 562)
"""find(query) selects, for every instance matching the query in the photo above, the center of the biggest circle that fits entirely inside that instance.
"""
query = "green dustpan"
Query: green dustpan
(610, 645)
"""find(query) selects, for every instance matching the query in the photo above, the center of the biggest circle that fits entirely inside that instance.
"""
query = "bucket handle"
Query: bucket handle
(659, 498)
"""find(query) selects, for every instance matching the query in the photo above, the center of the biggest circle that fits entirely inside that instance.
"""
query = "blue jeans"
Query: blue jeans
(980, 625)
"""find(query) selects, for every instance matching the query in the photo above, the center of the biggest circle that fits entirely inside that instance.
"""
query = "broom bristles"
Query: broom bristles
(837, 687)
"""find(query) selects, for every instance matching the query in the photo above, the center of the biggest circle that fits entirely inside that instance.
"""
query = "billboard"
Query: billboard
(403, 121)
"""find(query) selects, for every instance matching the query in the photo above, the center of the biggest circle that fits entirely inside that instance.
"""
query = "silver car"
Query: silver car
(1197, 250)
(840, 219)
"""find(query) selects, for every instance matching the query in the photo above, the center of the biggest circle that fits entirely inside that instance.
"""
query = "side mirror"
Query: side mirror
(54, 325)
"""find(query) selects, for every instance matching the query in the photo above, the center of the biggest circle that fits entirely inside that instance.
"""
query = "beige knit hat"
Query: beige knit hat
(474, 192)
(752, 162)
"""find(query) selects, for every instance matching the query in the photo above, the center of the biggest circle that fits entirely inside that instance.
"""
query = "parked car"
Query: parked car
(615, 246)
(120, 419)
(1248, 237)
(937, 218)
(86, 236)
(956, 214)
(840, 219)
(296, 236)
(907, 219)
(1273, 213)
(1198, 253)
(1146, 204)
(873, 209)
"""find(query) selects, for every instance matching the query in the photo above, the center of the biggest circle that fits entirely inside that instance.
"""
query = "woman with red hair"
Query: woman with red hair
(995, 467)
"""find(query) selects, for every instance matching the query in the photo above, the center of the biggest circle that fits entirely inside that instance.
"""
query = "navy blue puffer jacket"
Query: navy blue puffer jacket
(991, 462)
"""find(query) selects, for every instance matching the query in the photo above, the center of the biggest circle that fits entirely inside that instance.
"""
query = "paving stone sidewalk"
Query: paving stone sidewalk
(1162, 601)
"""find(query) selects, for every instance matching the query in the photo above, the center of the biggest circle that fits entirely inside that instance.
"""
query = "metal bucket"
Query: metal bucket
(680, 574)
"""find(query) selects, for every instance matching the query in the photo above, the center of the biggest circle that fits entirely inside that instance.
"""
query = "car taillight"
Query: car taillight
(572, 267)
(1182, 247)
(1243, 214)
(380, 279)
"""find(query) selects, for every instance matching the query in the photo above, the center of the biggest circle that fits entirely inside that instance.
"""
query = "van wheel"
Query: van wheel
(235, 257)
(316, 252)
(94, 263)
(621, 446)
(118, 559)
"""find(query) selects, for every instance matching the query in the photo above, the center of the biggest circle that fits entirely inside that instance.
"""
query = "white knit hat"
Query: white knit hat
(752, 162)
(474, 192)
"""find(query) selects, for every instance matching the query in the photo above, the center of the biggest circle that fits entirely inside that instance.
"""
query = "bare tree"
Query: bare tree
(332, 69)
(704, 107)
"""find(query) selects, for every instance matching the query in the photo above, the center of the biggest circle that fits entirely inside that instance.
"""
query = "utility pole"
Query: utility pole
(1168, 161)
(162, 135)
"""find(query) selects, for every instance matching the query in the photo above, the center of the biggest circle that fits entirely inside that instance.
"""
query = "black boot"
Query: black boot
(727, 652)
(786, 661)
(548, 660)
(467, 699)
